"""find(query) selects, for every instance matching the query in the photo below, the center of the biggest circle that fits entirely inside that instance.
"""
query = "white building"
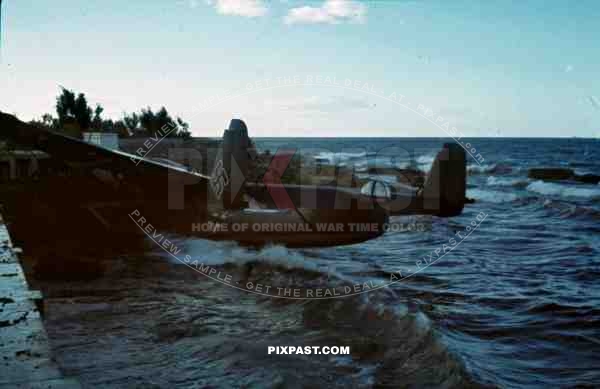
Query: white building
(109, 140)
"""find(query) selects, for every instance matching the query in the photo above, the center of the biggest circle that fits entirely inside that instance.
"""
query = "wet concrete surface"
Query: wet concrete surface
(26, 358)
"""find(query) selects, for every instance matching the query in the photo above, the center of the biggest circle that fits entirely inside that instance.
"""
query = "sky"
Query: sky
(333, 68)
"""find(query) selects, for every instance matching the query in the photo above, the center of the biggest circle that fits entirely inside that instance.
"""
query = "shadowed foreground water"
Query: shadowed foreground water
(154, 323)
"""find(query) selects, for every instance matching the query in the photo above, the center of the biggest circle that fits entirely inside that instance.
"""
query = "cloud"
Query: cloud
(247, 8)
(331, 12)
(594, 101)
(568, 68)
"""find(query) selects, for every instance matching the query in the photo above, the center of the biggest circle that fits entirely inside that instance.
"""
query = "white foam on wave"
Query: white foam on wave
(496, 181)
(582, 172)
(424, 162)
(562, 190)
(334, 159)
(491, 196)
(361, 160)
(361, 166)
(480, 168)
(216, 253)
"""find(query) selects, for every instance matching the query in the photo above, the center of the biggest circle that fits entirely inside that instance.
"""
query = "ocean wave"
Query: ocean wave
(562, 190)
(489, 169)
(513, 182)
(361, 161)
(178, 313)
(583, 172)
(376, 327)
(569, 210)
(491, 196)
(565, 310)
(424, 162)
(383, 334)
(217, 253)
(333, 159)
(392, 337)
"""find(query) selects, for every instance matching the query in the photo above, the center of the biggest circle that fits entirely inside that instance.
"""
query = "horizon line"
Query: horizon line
(416, 137)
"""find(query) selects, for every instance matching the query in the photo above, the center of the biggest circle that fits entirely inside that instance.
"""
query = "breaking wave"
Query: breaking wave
(175, 312)
(424, 162)
(491, 196)
(507, 182)
(562, 190)
(335, 159)
(489, 169)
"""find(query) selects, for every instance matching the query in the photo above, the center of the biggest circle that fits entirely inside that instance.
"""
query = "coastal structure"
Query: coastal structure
(26, 356)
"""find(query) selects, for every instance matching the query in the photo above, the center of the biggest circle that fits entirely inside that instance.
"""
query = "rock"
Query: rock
(6, 300)
(560, 174)
(551, 174)
(588, 178)
(500, 169)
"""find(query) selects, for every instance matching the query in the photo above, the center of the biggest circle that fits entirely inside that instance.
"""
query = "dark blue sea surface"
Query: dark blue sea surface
(518, 300)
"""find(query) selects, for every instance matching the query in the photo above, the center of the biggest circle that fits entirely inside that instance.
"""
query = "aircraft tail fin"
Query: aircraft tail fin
(235, 162)
(445, 185)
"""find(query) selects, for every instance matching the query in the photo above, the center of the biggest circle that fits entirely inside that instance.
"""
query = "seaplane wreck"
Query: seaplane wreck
(86, 191)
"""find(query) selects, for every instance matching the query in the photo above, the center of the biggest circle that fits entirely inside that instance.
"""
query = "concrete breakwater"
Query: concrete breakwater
(27, 360)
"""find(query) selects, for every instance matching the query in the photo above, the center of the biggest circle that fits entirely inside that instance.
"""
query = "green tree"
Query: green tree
(148, 120)
(183, 129)
(74, 114)
(160, 122)
(97, 123)
(83, 112)
(65, 104)
(132, 122)
(48, 120)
